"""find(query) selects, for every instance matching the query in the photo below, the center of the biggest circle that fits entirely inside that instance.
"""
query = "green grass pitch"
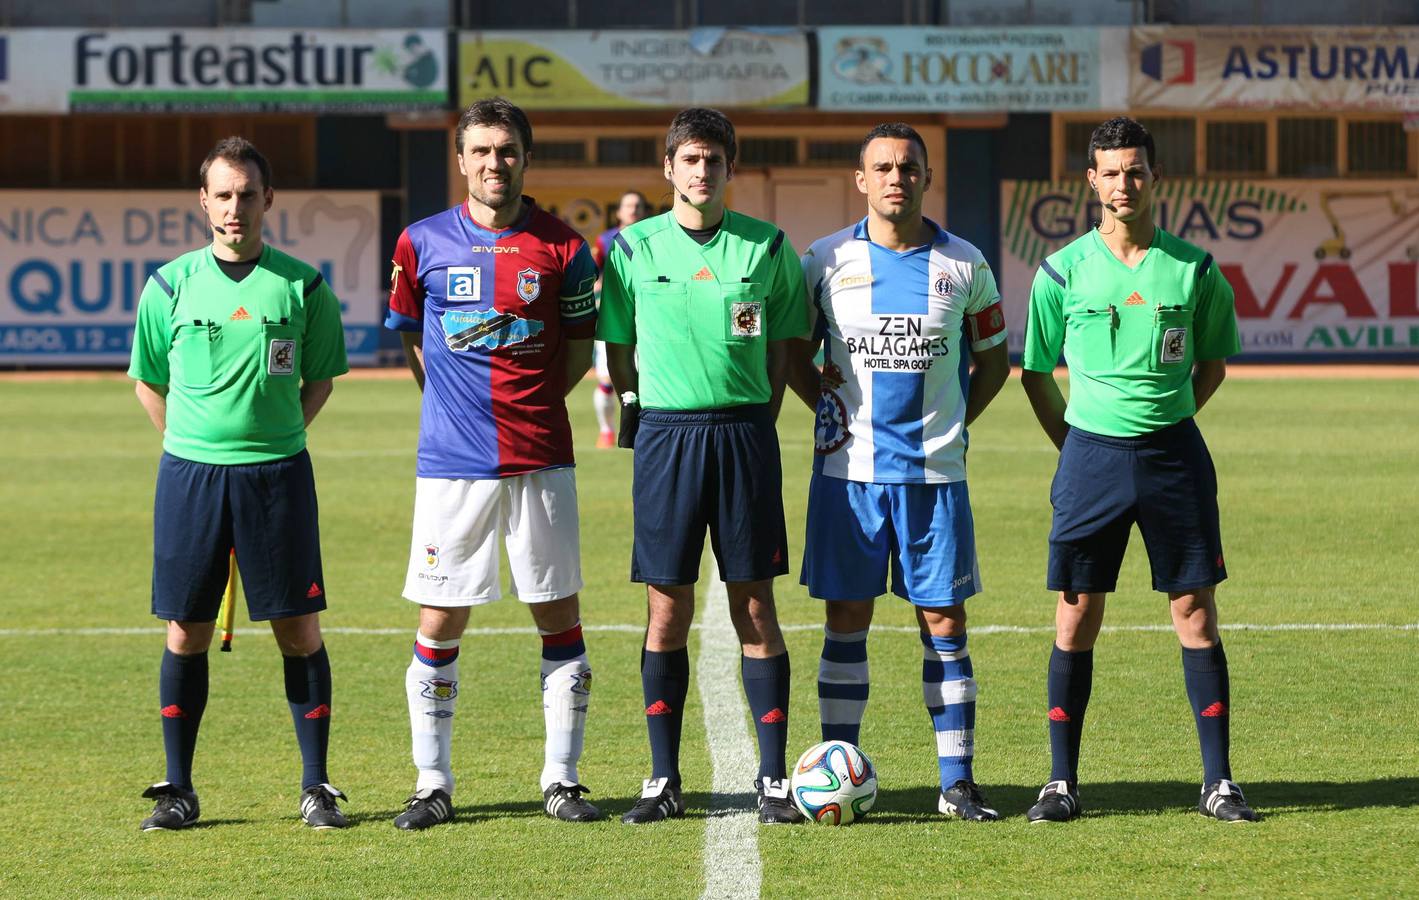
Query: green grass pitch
(1320, 503)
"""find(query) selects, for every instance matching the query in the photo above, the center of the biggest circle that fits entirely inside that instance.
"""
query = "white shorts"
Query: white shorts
(453, 558)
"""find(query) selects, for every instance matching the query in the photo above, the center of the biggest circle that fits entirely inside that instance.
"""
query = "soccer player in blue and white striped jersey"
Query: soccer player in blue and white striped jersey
(913, 339)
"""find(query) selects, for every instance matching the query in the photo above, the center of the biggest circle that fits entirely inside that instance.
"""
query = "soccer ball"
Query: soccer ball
(833, 783)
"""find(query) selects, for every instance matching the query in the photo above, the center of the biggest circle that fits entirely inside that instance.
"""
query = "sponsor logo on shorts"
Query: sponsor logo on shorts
(281, 357)
(1174, 345)
(313, 591)
(964, 579)
(744, 318)
(529, 284)
(436, 579)
(439, 689)
(830, 430)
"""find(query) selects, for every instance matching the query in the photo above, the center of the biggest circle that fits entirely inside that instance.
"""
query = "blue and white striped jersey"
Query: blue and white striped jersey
(894, 328)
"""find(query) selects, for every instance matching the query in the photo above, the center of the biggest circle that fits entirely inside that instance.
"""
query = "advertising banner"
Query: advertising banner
(635, 69)
(1318, 268)
(958, 69)
(1274, 68)
(222, 70)
(73, 264)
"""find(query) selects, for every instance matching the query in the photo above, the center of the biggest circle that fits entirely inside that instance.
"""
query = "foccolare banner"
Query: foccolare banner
(958, 69)
(73, 264)
(1265, 68)
(1318, 268)
(635, 69)
(236, 69)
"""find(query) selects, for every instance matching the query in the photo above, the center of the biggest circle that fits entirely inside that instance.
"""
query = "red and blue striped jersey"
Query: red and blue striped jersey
(496, 309)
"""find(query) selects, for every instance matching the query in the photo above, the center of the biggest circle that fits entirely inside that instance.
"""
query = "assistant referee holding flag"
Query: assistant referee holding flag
(234, 353)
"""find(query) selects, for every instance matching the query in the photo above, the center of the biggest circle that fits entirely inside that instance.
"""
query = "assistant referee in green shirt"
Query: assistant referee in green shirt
(234, 352)
(1146, 323)
(706, 297)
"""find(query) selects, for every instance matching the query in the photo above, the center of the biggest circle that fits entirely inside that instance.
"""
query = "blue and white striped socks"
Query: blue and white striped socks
(842, 684)
(950, 695)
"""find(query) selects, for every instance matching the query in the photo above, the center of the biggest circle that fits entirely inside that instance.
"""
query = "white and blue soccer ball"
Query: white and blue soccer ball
(833, 783)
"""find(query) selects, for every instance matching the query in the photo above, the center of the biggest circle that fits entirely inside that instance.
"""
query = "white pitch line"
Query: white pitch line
(732, 868)
(639, 629)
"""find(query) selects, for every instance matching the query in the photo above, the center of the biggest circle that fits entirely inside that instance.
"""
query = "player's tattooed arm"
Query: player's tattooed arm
(154, 399)
(1048, 404)
(414, 353)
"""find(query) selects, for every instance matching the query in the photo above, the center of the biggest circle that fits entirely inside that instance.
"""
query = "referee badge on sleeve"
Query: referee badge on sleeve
(745, 318)
(281, 357)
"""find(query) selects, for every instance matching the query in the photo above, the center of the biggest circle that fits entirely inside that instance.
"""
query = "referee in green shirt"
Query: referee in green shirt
(234, 352)
(1146, 323)
(695, 306)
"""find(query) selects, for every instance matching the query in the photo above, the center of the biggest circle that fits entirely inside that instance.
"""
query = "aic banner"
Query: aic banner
(1313, 68)
(1318, 268)
(958, 69)
(242, 69)
(73, 264)
(630, 69)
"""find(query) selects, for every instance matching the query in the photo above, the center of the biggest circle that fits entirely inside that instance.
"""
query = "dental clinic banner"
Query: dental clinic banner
(1325, 269)
(73, 264)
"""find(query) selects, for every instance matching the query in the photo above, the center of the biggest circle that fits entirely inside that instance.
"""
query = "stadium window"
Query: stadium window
(756, 151)
(27, 151)
(1236, 148)
(627, 151)
(560, 153)
(833, 153)
(1076, 146)
(1306, 148)
(1377, 148)
(1175, 139)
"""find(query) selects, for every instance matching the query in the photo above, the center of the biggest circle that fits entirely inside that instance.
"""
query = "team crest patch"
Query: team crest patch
(830, 428)
(281, 357)
(431, 556)
(529, 284)
(943, 285)
(1174, 345)
(487, 329)
(745, 319)
(439, 689)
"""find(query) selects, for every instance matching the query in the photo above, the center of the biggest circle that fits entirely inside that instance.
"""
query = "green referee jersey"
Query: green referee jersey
(234, 354)
(1130, 336)
(701, 317)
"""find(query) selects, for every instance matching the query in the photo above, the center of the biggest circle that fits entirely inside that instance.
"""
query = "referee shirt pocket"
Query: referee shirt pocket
(1089, 339)
(192, 354)
(662, 312)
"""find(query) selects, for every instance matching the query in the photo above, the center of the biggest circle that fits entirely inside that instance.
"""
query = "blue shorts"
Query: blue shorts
(266, 511)
(924, 532)
(716, 469)
(1164, 481)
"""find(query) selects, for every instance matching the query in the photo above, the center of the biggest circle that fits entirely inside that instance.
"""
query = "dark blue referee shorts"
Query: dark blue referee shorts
(267, 511)
(1164, 481)
(717, 469)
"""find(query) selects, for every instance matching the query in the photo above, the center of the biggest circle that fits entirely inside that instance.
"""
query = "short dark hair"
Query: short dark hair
(495, 111)
(899, 130)
(236, 151)
(701, 124)
(1119, 133)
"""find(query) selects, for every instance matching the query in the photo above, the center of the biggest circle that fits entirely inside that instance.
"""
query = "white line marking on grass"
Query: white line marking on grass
(732, 868)
(640, 629)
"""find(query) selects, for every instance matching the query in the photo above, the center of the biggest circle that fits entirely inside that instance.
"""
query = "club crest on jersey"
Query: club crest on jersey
(943, 285)
(745, 318)
(439, 689)
(830, 427)
(529, 284)
(1174, 345)
(431, 556)
(281, 357)
(487, 329)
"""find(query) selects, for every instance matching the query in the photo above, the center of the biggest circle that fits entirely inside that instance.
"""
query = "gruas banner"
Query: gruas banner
(1322, 269)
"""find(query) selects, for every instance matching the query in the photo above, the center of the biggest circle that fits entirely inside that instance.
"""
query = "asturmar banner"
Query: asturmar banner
(1320, 268)
(255, 69)
(635, 69)
(958, 69)
(73, 264)
(1274, 68)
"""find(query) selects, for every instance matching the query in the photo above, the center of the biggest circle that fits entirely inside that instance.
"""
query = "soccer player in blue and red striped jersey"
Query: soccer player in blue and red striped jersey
(494, 300)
